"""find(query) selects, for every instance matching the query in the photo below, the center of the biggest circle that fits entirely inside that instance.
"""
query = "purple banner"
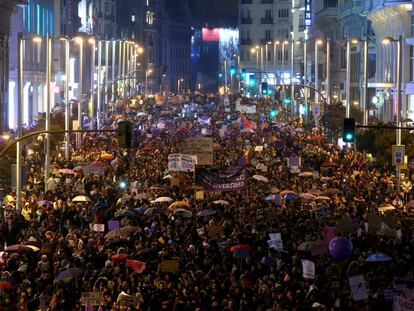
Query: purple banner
(232, 178)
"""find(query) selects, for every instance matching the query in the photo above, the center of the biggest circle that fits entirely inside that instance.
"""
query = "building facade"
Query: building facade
(7, 8)
(264, 26)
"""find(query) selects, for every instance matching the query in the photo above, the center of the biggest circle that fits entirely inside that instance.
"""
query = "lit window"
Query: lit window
(133, 18)
(150, 17)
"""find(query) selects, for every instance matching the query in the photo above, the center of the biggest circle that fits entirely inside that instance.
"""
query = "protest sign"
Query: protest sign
(113, 225)
(199, 195)
(308, 268)
(215, 231)
(202, 147)
(99, 227)
(293, 161)
(178, 162)
(402, 304)
(169, 265)
(406, 286)
(92, 298)
(245, 108)
(275, 244)
(221, 179)
(125, 300)
(358, 287)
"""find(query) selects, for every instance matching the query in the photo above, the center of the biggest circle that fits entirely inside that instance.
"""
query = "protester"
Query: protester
(105, 224)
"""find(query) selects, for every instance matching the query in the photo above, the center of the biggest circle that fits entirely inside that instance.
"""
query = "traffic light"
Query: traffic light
(264, 88)
(272, 113)
(287, 100)
(125, 134)
(252, 81)
(232, 70)
(243, 74)
(348, 134)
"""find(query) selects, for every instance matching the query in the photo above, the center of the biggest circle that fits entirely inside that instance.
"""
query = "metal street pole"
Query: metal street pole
(120, 66)
(79, 135)
(316, 73)
(93, 71)
(99, 83)
(283, 66)
(146, 84)
(399, 81)
(225, 78)
(305, 74)
(67, 104)
(365, 101)
(48, 91)
(266, 54)
(292, 85)
(106, 80)
(113, 72)
(124, 45)
(348, 79)
(19, 122)
(328, 72)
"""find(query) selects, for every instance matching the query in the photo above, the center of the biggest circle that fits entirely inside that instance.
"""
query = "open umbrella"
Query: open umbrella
(305, 174)
(44, 202)
(330, 164)
(322, 198)
(284, 192)
(22, 249)
(290, 196)
(272, 197)
(331, 191)
(385, 207)
(261, 178)
(66, 171)
(240, 250)
(6, 285)
(68, 274)
(141, 209)
(221, 202)
(162, 199)
(315, 191)
(158, 187)
(125, 213)
(119, 257)
(206, 212)
(153, 211)
(179, 204)
(78, 168)
(182, 212)
(377, 257)
(107, 156)
(81, 198)
(307, 196)
(308, 246)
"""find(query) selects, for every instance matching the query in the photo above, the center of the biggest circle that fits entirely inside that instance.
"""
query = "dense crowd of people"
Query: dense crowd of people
(94, 236)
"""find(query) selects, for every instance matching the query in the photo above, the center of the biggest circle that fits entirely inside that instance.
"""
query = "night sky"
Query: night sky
(213, 12)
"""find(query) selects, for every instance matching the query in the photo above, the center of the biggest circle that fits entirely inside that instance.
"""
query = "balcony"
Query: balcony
(246, 1)
(371, 5)
(246, 42)
(246, 21)
(349, 8)
(266, 20)
(266, 1)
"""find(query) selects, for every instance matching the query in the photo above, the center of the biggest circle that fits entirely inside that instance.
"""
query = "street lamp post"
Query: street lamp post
(79, 135)
(113, 72)
(283, 64)
(19, 122)
(348, 79)
(67, 104)
(106, 79)
(93, 70)
(305, 73)
(365, 77)
(275, 44)
(48, 91)
(292, 85)
(317, 42)
(99, 85)
(398, 94)
(328, 72)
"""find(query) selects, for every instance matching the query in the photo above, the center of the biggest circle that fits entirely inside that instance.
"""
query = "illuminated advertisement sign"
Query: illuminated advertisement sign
(308, 12)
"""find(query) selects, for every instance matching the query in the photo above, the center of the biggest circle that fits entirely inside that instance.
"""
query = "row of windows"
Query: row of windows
(281, 34)
(282, 14)
(247, 56)
(38, 19)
